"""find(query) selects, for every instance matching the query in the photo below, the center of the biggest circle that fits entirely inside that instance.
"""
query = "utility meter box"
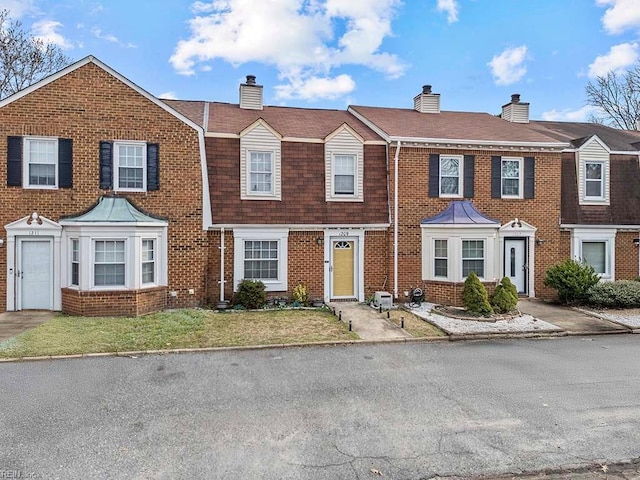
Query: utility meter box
(383, 299)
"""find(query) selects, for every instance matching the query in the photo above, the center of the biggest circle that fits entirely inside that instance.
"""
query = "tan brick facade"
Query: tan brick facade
(88, 105)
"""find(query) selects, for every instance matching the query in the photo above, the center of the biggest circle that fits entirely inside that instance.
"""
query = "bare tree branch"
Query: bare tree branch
(618, 96)
(24, 59)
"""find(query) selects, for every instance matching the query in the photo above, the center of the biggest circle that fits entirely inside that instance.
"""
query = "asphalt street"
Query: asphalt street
(400, 410)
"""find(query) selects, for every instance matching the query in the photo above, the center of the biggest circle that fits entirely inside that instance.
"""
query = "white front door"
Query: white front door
(515, 262)
(34, 275)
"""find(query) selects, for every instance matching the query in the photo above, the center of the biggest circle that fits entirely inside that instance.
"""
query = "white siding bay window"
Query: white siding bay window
(261, 254)
(344, 166)
(260, 164)
(593, 162)
(596, 247)
(114, 246)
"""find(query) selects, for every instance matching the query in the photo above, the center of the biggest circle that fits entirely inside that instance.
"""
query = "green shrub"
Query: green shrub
(251, 294)
(620, 294)
(474, 296)
(505, 296)
(572, 280)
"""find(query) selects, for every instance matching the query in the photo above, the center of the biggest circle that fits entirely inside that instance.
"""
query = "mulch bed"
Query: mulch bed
(461, 314)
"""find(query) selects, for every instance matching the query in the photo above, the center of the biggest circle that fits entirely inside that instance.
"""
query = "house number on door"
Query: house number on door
(34, 232)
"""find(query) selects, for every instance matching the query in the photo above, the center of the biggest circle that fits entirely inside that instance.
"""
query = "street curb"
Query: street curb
(601, 317)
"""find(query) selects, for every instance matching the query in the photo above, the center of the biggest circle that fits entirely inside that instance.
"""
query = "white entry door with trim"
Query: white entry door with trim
(515, 262)
(34, 274)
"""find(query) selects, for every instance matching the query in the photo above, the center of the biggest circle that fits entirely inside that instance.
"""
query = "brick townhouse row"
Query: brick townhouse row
(117, 202)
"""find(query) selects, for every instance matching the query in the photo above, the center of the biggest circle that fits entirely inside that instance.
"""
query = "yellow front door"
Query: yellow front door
(343, 268)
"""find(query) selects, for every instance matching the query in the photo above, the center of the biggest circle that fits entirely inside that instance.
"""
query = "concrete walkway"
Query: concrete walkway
(14, 323)
(367, 322)
(570, 320)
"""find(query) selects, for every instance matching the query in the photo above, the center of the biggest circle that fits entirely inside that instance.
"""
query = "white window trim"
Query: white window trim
(272, 193)
(25, 163)
(603, 165)
(460, 176)
(280, 235)
(127, 282)
(344, 196)
(71, 262)
(116, 165)
(433, 252)
(154, 261)
(484, 257)
(520, 160)
(608, 236)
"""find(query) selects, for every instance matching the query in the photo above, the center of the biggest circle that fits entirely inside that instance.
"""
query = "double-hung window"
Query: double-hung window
(473, 257)
(148, 261)
(130, 166)
(41, 162)
(344, 174)
(440, 258)
(261, 259)
(260, 173)
(450, 175)
(109, 263)
(595, 254)
(75, 262)
(511, 177)
(594, 180)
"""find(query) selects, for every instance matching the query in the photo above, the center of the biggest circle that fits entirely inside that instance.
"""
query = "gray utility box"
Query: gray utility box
(383, 299)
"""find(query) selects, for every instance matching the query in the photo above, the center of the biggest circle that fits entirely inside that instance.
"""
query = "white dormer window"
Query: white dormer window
(451, 175)
(593, 162)
(260, 173)
(344, 175)
(594, 180)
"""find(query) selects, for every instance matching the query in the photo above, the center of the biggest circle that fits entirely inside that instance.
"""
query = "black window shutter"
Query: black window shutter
(153, 167)
(529, 177)
(65, 163)
(106, 165)
(434, 175)
(496, 177)
(469, 166)
(14, 161)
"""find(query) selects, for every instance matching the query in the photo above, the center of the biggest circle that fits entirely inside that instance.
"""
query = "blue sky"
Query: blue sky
(332, 53)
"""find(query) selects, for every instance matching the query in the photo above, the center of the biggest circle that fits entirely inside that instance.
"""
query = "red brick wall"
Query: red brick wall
(376, 263)
(124, 303)
(542, 212)
(89, 105)
(306, 262)
(448, 293)
(626, 256)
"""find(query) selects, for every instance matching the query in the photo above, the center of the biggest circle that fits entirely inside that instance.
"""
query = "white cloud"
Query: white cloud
(301, 38)
(450, 7)
(97, 32)
(580, 115)
(168, 95)
(313, 88)
(18, 8)
(618, 59)
(508, 67)
(46, 30)
(620, 15)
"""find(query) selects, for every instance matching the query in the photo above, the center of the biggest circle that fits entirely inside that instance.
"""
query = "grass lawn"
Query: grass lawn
(414, 325)
(190, 328)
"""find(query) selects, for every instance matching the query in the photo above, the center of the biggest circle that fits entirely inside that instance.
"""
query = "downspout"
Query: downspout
(395, 222)
(222, 281)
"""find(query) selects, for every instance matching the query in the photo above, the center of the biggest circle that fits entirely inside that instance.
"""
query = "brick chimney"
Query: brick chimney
(426, 101)
(251, 94)
(516, 111)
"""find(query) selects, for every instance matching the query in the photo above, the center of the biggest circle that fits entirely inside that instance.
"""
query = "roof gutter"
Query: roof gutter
(466, 143)
(395, 221)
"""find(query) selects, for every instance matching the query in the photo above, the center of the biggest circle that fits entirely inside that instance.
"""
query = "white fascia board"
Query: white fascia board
(612, 152)
(572, 226)
(307, 227)
(462, 143)
(594, 138)
(370, 124)
(207, 218)
(221, 135)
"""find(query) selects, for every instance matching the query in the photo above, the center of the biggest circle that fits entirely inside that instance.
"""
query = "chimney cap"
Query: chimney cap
(251, 79)
(515, 98)
(426, 89)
